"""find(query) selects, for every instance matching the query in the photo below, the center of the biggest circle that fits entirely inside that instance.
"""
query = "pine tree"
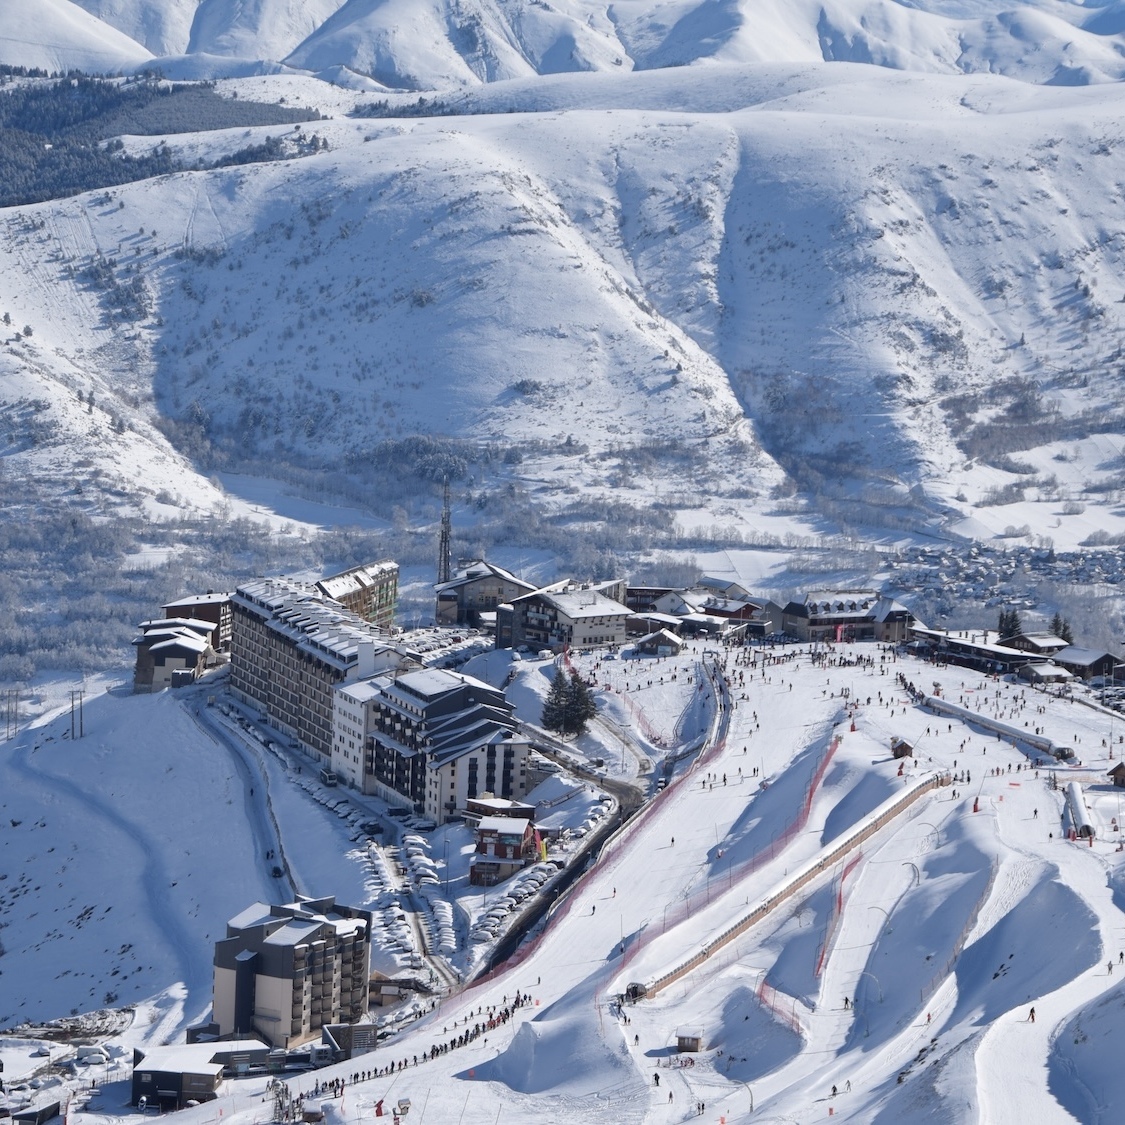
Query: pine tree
(555, 705)
(1057, 624)
(1009, 624)
(580, 707)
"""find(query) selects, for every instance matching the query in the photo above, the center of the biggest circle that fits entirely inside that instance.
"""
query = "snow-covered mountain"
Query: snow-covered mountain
(713, 286)
(427, 44)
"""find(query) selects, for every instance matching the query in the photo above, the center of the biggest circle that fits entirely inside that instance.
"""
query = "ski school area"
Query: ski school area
(843, 904)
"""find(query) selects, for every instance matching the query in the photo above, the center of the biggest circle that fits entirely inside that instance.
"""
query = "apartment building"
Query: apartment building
(291, 646)
(286, 971)
(430, 739)
(564, 615)
(211, 607)
(369, 591)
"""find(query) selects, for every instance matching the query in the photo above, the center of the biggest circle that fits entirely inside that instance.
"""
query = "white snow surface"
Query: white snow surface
(427, 44)
(747, 272)
(57, 35)
(123, 854)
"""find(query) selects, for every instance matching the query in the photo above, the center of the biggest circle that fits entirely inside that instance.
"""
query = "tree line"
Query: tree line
(53, 133)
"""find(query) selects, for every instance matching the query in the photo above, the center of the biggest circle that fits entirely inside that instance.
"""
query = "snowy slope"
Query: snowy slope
(440, 43)
(835, 273)
(903, 974)
(265, 29)
(59, 35)
(163, 28)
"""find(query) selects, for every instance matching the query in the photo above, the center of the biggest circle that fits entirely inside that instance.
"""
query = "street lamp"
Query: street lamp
(751, 1093)
(865, 973)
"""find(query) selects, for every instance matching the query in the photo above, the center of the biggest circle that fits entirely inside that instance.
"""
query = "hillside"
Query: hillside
(908, 316)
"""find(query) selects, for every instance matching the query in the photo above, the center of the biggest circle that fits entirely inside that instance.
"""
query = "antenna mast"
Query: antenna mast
(445, 543)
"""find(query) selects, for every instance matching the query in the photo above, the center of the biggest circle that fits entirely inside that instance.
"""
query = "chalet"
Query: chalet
(504, 845)
(563, 616)
(171, 650)
(710, 608)
(900, 748)
(660, 643)
(978, 650)
(168, 1078)
(1042, 644)
(476, 808)
(477, 587)
(1118, 775)
(847, 615)
(1085, 663)
(1044, 672)
(205, 607)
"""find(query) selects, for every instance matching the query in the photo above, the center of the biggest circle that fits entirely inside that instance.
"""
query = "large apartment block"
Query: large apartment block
(286, 971)
(431, 739)
(290, 648)
(369, 591)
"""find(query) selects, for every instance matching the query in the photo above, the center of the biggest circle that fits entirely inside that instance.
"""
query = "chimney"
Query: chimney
(365, 660)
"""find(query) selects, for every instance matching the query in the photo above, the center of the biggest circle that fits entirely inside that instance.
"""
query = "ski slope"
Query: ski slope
(942, 929)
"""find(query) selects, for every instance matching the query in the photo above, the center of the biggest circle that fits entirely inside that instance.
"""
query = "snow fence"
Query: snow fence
(810, 871)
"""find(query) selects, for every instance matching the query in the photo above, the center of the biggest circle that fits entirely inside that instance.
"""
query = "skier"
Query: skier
(1031, 1015)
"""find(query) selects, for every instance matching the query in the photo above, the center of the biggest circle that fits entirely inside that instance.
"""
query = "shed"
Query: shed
(689, 1040)
(1118, 775)
(660, 643)
(1044, 673)
(900, 748)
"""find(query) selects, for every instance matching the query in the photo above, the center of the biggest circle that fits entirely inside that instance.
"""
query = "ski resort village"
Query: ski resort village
(580, 852)
(562, 562)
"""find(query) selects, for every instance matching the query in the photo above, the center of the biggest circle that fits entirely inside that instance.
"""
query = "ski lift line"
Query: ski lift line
(995, 726)
(811, 870)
